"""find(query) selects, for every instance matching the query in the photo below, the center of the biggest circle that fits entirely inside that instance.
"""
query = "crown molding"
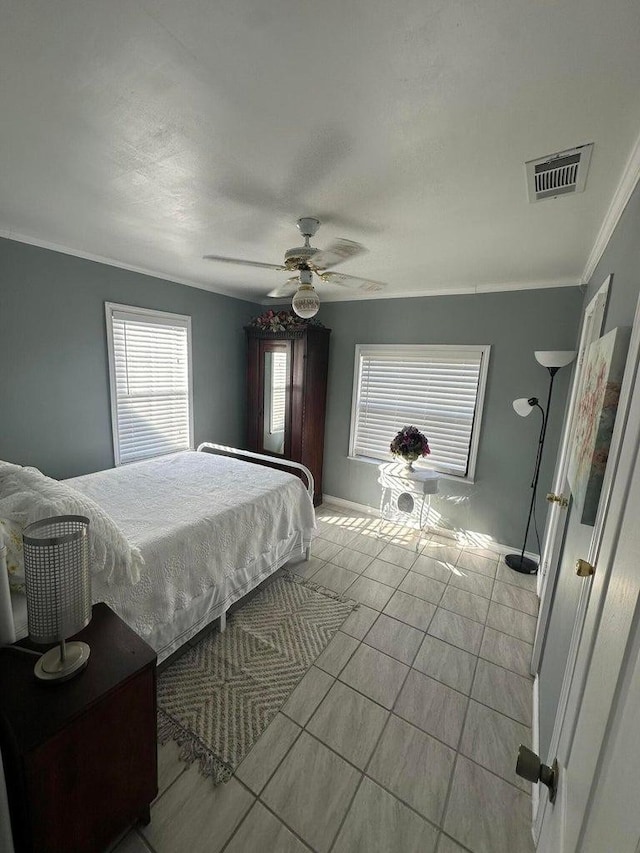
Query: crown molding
(628, 181)
(8, 234)
(456, 290)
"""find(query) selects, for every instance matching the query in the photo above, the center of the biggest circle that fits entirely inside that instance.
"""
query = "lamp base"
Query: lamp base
(52, 666)
(524, 565)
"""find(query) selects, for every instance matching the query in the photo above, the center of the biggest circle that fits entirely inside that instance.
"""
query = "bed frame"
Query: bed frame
(269, 461)
(261, 459)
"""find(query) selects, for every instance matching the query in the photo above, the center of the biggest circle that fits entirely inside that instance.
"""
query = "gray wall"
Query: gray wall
(621, 259)
(54, 376)
(515, 324)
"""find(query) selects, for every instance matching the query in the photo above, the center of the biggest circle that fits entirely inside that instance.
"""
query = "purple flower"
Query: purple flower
(410, 442)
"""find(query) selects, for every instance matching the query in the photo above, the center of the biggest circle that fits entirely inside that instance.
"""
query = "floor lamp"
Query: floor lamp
(553, 361)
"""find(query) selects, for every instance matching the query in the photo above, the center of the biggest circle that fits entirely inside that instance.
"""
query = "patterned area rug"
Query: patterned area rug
(217, 698)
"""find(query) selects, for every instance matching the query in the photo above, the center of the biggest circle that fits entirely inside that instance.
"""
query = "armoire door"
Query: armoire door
(286, 395)
(274, 398)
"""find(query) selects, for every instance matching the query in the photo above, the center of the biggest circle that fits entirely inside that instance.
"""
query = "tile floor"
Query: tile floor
(402, 736)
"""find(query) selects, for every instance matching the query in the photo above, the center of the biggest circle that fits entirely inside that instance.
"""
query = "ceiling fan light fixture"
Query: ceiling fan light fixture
(305, 302)
(308, 261)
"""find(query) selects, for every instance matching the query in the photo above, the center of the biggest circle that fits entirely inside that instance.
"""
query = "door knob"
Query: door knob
(531, 768)
(557, 499)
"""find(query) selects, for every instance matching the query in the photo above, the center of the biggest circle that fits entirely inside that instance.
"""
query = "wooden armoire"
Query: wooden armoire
(287, 390)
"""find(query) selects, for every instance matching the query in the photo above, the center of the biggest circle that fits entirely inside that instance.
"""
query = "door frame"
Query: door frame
(623, 453)
(554, 531)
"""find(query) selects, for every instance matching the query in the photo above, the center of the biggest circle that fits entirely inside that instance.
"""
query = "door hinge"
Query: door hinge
(584, 569)
(557, 499)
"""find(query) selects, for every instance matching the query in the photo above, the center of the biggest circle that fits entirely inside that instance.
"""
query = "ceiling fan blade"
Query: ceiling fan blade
(284, 289)
(352, 281)
(243, 263)
(338, 252)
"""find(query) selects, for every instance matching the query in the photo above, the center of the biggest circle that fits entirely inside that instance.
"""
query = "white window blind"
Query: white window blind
(278, 391)
(149, 362)
(438, 389)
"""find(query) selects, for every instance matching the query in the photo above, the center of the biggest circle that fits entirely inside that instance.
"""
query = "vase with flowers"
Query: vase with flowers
(281, 321)
(410, 444)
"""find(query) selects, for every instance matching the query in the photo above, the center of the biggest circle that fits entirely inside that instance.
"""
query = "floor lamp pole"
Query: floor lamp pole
(519, 562)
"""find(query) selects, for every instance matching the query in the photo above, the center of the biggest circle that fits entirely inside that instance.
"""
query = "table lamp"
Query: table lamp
(58, 590)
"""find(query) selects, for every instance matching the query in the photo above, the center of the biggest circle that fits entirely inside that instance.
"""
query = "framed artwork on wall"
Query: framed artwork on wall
(596, 414)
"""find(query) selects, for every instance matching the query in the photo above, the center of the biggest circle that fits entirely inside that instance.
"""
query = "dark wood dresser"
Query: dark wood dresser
(80, 756)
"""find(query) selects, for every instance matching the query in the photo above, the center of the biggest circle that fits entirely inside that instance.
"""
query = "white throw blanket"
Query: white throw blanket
(205, 524)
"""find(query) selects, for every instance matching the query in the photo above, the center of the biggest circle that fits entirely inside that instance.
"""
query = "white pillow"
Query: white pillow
(26, 495)
(9, 478)
(11, 538)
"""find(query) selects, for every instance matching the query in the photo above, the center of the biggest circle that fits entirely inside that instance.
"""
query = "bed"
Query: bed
(210, 527)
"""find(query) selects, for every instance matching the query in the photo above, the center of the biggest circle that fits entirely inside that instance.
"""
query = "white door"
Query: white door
(556, 527)
(598, 711)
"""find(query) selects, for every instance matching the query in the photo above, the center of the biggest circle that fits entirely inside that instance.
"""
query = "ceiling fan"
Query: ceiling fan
(307, 261)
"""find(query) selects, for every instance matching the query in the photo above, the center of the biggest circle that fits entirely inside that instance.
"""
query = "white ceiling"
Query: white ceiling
(152, 132)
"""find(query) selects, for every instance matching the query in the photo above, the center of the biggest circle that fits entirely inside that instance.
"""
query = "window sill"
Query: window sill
(453, 477)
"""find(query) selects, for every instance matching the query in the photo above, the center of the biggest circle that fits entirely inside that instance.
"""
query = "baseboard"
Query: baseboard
(331, 499)
(509, 549)
(439, 531)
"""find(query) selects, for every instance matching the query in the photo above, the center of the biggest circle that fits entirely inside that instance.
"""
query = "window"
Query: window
(439, 389)
(150, 375)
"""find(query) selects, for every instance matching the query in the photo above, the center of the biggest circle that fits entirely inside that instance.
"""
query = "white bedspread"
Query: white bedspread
(209, 527)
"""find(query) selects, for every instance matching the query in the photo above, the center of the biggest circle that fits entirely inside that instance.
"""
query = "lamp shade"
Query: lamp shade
(305, 302)
(523, 406)
(555, 358)
(58, 588)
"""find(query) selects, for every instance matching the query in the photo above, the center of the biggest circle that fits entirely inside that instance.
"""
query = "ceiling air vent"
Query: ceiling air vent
(558, 174)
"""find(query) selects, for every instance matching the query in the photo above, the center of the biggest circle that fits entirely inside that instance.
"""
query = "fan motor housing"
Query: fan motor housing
(308, 225)
(298, 257)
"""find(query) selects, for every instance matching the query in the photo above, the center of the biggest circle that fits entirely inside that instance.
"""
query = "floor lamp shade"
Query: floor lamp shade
(555, 359)
(58, 589)
(523, 406)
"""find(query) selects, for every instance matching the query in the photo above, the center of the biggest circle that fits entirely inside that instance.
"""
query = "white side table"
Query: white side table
(404, 494)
